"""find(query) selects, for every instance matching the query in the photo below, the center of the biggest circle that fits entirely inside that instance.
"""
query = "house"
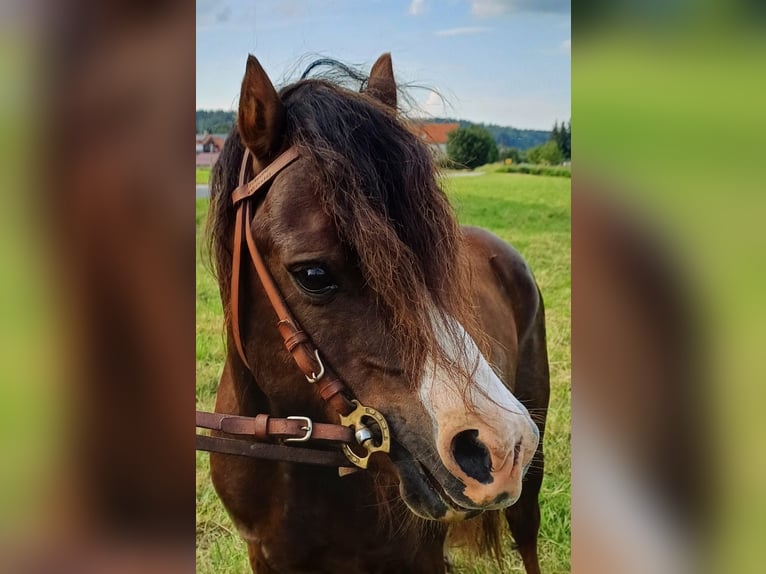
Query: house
(208, 148)
(435, 135)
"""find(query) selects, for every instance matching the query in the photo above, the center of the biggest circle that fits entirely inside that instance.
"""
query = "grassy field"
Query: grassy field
(203, 175)
(532, 213)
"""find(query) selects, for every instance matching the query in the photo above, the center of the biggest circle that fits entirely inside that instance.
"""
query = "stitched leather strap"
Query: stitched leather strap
(272, 451)
(296, 341)
(264, 427)
(245, 190)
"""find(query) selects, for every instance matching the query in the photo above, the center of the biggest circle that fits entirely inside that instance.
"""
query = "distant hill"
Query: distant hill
(220, 122)
(505, 136)
(215, 121)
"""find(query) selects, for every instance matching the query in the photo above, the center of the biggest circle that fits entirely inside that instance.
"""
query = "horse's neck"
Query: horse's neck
(302, 494)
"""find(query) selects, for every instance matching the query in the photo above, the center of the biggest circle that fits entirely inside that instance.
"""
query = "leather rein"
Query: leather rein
(263, 430)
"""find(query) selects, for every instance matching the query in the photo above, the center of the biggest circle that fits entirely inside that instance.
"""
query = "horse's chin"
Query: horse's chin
(425, 497)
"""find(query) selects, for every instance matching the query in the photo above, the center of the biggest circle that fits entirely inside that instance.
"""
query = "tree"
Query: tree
(215, 121)
(562, 135)
(492, 154)
(556, 134)
(471, 147)
(548, 153)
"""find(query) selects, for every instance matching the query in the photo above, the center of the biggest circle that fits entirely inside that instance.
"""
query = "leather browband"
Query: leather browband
(245, 190)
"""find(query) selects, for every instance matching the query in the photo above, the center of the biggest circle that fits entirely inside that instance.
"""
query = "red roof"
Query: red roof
(435, 133)
(215, 140)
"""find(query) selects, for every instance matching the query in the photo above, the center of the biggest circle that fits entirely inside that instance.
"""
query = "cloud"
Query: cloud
(462, 31)
(432, 107)
(417, 7)
(211, 11)
(433, 100)
(566, 46)
(224, 15)
(489, 8)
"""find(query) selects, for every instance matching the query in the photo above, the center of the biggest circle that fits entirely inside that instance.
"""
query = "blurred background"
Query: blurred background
(97, 369)
(97, 255)
(668, 254)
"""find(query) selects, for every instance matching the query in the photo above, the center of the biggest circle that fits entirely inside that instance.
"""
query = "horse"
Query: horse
(440, 328)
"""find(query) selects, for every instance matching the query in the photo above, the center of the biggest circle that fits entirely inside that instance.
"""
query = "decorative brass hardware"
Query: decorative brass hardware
(364, 435)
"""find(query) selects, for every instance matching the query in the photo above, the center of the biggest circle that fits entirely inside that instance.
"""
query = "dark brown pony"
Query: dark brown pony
(440, 328)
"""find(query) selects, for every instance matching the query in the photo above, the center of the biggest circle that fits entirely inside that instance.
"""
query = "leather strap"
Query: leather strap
(245, 190)
(296, 341)
(268, 451)
(264, 427)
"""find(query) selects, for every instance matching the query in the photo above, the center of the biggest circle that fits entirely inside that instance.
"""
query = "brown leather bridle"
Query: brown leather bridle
(352, 430)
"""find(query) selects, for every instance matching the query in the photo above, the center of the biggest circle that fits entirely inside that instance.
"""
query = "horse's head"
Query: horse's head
(368, 255)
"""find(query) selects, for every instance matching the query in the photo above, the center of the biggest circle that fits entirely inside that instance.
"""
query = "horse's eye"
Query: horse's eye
(315, 280)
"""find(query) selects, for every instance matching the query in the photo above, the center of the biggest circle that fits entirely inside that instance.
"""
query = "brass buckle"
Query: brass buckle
(354, 420)
(309, 428)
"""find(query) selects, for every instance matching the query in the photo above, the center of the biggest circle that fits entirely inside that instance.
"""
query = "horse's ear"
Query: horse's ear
(381, 84)
(261, 118)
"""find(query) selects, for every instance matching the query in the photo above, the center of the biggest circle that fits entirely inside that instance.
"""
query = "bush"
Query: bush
(553, 171)
(471, 147)
(547, 154)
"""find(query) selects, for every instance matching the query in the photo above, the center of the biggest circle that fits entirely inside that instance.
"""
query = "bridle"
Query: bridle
(262, 430)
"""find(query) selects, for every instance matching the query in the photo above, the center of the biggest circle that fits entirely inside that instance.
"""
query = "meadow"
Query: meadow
(203, 175)
(530, 212)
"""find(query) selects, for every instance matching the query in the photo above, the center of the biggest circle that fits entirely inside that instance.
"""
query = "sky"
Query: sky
(494, 61)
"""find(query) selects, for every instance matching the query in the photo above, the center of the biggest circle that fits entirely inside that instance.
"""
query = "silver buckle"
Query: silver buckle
(309, 428)
(316, 376)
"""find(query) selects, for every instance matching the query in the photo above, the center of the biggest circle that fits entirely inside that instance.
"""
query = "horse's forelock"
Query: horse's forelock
(377, 180)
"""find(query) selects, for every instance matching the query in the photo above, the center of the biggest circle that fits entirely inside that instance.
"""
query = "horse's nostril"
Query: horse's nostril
(472, 456)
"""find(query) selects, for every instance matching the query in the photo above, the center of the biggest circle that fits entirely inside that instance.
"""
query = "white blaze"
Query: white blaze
(485, 405)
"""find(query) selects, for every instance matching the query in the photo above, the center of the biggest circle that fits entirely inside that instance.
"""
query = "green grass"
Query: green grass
(532, 213)
(203, 175)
